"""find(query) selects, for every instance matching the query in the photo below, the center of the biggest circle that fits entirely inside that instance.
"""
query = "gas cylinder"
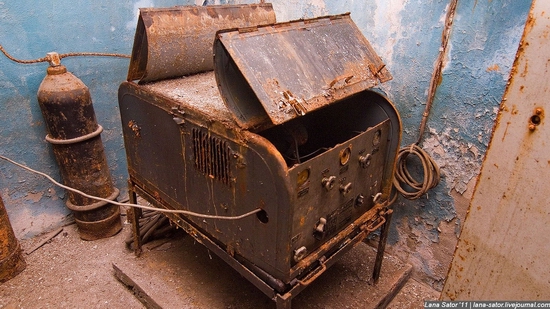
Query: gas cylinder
(75, 137)
(11, 256)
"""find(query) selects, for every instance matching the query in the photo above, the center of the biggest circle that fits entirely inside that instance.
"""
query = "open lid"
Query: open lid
(268, 75)
(177, 41)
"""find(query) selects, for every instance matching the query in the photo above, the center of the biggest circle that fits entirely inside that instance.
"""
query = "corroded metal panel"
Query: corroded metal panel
(503, 248)
(293, 68)
(172, 42)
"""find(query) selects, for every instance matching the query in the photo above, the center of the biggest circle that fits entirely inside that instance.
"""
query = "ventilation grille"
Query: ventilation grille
(211, 156)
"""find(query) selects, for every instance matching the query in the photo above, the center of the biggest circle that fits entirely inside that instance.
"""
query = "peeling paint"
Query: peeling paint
(465, 108)
(493, 67)
(287, 10)
(460, 161)
(387, 16)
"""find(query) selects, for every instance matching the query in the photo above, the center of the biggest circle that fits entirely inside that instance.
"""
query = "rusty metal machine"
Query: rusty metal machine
(285, 124)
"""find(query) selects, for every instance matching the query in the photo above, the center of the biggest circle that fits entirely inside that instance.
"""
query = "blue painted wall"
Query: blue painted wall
(405, 33)
(30, 29)
(484, 40)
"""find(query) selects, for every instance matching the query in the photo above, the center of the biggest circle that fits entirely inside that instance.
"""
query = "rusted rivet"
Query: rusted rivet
(536, 118)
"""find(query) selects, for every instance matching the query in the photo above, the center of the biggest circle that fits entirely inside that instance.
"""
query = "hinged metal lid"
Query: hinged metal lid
(271, 74)
(177, 41)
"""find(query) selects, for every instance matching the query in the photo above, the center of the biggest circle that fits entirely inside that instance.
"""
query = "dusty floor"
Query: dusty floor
(70, 273)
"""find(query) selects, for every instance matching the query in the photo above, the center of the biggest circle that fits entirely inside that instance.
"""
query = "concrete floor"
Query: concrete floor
(179, 273)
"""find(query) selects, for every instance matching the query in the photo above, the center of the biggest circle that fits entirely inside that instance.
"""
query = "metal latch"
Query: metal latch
(178, 114)
(295, 103)
(315, 274)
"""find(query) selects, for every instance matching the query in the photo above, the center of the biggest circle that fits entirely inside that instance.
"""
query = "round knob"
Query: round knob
(364, 161)
(328, 182)
(345, 189)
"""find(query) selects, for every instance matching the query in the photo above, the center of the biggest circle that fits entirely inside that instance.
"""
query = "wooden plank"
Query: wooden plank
(139, 292)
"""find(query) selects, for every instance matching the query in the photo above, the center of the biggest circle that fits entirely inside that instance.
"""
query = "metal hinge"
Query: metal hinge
(248, 29)
(178, 114)
(376, 71)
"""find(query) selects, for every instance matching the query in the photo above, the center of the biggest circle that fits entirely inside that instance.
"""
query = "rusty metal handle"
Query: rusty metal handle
(371, 228)
(315, 276)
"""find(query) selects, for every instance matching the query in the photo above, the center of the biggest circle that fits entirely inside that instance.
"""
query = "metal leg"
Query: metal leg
(134, 214)
(283, 301)
(381, 246)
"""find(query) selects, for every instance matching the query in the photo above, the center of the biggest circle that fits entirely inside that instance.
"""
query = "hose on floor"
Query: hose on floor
(152, 225)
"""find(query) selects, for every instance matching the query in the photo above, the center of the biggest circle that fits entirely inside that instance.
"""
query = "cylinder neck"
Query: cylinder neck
(60, 69)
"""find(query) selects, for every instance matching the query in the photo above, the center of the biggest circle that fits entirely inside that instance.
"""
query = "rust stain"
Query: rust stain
(545, 34)
(134, 127)
(529, 23)
(504, 108)
(505, 131)
(494, 67)
(525, 69)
